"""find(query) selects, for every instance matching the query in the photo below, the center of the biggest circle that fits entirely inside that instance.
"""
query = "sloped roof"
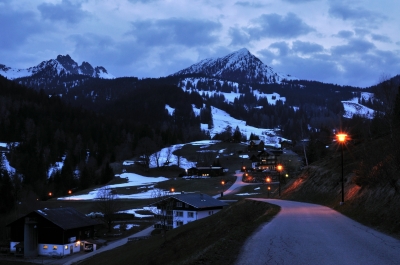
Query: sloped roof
(197, 200)
(67, 218)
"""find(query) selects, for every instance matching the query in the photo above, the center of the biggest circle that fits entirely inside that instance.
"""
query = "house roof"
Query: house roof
(197, 200)
(65, 217)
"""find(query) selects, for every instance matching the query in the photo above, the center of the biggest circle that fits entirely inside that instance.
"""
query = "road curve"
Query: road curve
(309, 234)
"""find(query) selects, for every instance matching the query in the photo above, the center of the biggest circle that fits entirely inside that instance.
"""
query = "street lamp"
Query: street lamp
(341, 137)
(172, 190)
(279, 168)
(268, 180)
(222, 192)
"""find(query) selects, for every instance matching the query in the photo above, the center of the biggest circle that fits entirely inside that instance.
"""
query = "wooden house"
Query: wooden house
(266, 160)
(206, 171)
(255, 145)
(179, 209)
(50, 232)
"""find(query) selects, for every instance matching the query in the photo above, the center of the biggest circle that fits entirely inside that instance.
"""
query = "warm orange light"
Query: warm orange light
(172, 190)
(269, 188)
(279, 167)
(341, 137)
(50, 194)
(268, 179)
(69, 191)
(223, 182)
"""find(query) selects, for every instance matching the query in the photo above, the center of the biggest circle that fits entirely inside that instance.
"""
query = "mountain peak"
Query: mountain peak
(62, 65)
(240, 65)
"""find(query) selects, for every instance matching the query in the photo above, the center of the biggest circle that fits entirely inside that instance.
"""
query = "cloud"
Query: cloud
(17, 27)
(358, 15)
(186, 32)
(239, 37)
(142, 1)
(298, 1)
(381, 38)
(276, 26)
(354, 46)
(345, 34)
(357, 63)
(307, 47)
(282, 47)
(250, 4)
(65, 11)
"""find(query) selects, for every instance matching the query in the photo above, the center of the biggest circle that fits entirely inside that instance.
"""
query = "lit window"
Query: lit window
(45, 247)
(54, 247)
(66, 246)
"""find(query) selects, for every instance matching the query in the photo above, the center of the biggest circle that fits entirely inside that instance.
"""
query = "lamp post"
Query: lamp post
(268, 180)
(222, 192)
(279, 168)
(341, 137)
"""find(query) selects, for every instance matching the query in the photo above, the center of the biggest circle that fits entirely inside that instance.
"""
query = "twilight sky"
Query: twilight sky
(335, 41)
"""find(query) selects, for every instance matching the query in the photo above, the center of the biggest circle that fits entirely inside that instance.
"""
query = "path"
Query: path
(117, 243)
(237, 184)
(305, 233)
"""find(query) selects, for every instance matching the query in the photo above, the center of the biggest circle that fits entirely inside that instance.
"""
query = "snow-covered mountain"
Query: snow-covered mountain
(240, 66)
(61, 66)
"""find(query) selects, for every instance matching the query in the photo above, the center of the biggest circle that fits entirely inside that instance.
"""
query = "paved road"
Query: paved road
(312, 234)
(237, 184)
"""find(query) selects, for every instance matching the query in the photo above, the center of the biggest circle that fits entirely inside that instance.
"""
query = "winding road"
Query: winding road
(305, 233)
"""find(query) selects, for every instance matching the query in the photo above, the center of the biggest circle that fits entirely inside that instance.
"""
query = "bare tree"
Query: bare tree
(108, 204)
(169, 155)
(156, 157)
(164, 209)
(146, 147)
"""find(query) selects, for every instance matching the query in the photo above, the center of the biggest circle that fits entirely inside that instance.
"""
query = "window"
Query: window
(210, 212)
(190, 214)
(179, 223)
(54, 247)
(179, 214)
(178, 204)
(45, 247)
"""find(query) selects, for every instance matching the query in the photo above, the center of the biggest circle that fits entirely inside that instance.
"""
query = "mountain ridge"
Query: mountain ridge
(241, 66)
(61, 66)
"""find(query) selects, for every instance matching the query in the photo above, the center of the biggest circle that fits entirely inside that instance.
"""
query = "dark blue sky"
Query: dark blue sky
(344, 42)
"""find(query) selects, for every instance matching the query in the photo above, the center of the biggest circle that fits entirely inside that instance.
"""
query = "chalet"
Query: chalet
(255, 145)
(206, 171)
(51, 232)
(180, 209)
(265, 160)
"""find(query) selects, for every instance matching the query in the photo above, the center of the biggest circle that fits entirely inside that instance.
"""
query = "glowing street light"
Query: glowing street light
(172, 190)
(279, 168)
(268, 180)
(342, 137)
(222, 192)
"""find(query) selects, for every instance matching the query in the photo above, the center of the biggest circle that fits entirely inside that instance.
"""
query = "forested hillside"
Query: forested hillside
(42, 131)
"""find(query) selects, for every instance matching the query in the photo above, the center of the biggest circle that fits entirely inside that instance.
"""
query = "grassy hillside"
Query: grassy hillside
(213, 240)
(372, 184)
